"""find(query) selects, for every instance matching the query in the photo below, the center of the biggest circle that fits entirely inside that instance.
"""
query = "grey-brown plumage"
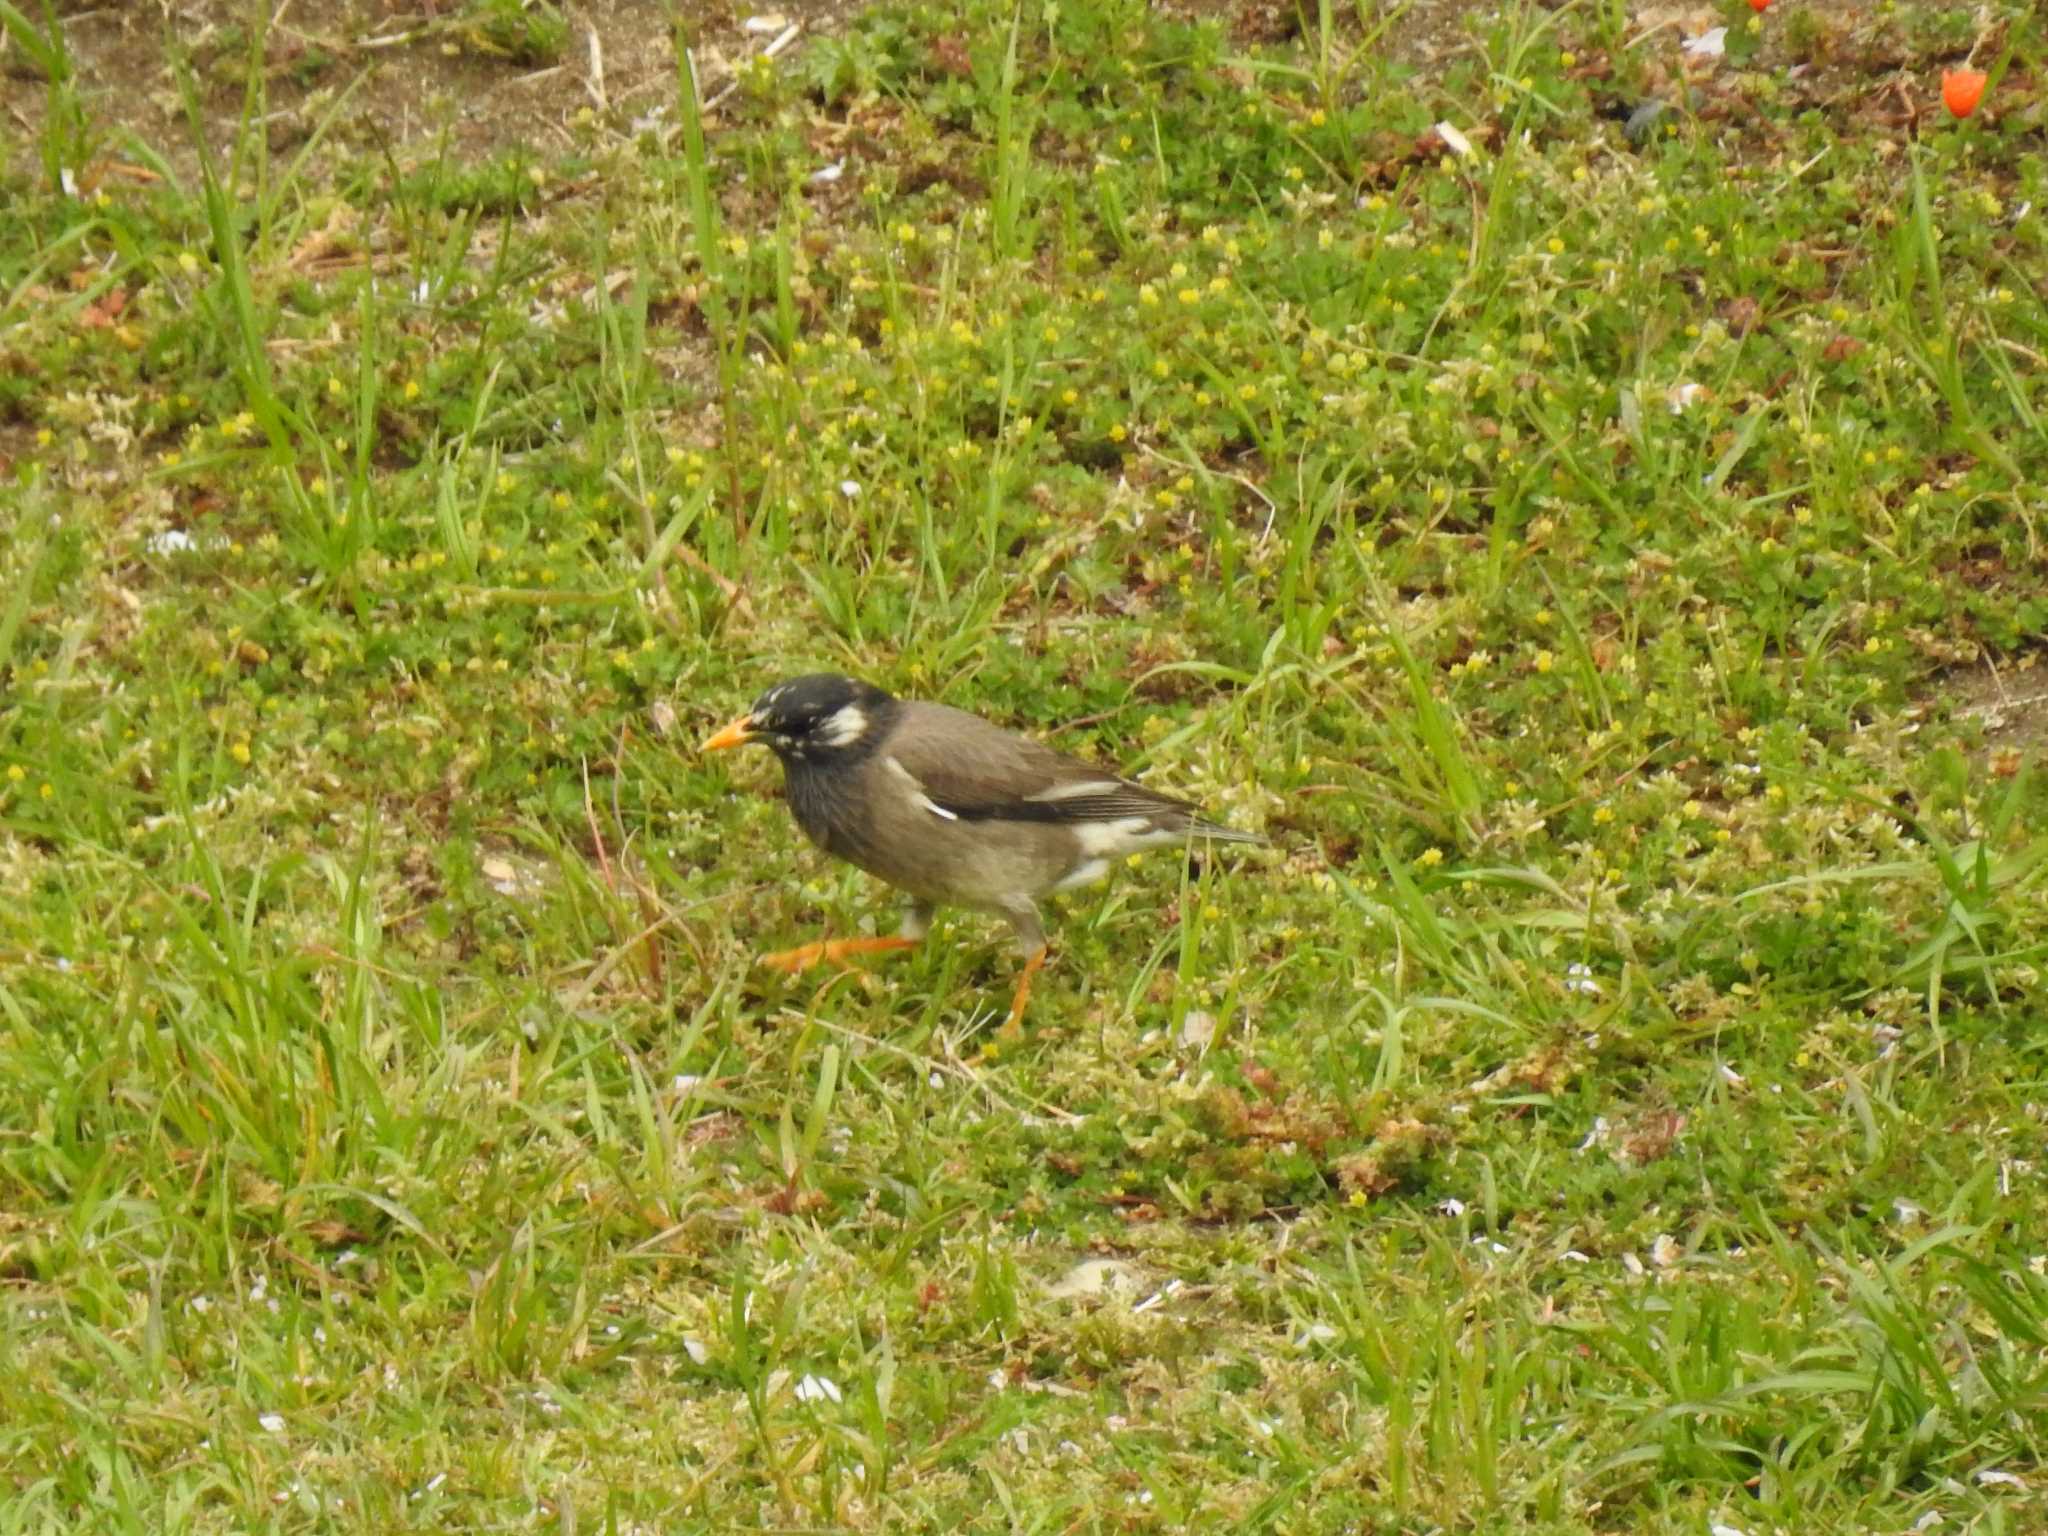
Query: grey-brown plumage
(950, 809)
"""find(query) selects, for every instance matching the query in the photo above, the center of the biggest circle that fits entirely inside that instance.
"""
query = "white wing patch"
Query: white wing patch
(917, 794)
(846, 726)
(1077, 791)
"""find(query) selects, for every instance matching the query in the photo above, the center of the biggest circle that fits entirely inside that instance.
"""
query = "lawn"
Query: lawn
(1597, 540)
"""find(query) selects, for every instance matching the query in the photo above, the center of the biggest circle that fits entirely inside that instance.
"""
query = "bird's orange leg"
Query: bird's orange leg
(838, 951)
(1015, 1026)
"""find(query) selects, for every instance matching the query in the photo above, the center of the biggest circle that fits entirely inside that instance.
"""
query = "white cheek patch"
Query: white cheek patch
(845, 727)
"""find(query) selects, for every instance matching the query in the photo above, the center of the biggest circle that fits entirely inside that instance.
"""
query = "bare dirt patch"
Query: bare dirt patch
(388, 74)
(2008, 702)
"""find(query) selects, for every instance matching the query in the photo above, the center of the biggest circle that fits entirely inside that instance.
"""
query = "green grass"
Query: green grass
(1615, 1104)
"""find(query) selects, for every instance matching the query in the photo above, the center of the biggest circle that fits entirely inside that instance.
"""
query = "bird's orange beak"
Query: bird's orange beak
(738, 734)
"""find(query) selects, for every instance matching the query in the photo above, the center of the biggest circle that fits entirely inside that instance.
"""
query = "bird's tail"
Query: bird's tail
(1216, 832)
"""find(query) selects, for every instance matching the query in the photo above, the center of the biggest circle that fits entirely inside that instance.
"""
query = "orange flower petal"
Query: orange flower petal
(1961, 90)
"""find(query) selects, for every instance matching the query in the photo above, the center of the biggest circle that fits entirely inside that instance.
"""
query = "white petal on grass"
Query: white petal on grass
(172, 541)
(1315, 1333)
(765, 26)
(1452, 1206)
(1665, 1252)
(818, 1389)
(1680, 398)
(825, 175)
(1197, 1029)
(1992, 1477)
(273, 1423)
(1708, 45)
(1160, 1296)
(1718, 1529)
(1455, 141)
(849, 489)
(695, 1348)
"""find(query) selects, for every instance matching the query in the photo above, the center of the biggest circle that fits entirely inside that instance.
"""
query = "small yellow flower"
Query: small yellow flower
(240, 753)
(16, 773)
(1117, 433)
(1429, 858)
(1545, 661)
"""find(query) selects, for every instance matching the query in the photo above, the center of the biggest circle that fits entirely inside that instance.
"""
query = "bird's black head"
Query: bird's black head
(812, 719)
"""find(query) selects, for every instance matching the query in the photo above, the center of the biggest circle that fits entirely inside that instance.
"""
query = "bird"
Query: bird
(950, 809)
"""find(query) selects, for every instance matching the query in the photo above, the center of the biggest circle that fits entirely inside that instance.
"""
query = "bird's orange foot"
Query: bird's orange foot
(1014, 1026)
(838, 951)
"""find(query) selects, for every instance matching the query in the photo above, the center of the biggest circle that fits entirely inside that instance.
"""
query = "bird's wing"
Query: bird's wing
(971, 770)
